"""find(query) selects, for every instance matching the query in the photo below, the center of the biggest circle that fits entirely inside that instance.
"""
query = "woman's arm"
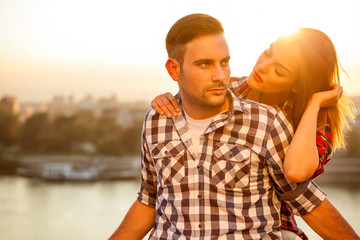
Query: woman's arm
(302, 157)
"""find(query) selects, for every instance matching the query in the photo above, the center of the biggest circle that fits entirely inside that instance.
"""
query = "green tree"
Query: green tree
(9, 128)
(64, 130)
(107, 135)
(32, 132)
(106, 125)
(353, 140)
(109, 145)
(131, 138)
(83, 126)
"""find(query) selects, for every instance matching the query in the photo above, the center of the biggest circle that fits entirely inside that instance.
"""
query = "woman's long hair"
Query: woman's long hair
(320, 68)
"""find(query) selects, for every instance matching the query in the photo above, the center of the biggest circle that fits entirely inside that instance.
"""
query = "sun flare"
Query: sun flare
(60, 35)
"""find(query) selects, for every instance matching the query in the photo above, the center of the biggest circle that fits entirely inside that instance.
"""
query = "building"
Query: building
(61, 105)
(10, 104)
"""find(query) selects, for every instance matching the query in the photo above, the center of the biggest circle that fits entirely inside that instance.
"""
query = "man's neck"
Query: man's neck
(201, 112)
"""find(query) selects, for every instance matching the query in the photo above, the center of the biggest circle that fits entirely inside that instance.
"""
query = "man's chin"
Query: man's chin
(216, 102)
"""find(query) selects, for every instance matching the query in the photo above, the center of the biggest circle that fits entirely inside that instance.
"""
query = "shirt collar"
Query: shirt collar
(237, 104)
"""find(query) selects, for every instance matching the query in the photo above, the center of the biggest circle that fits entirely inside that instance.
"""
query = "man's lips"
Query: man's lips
(257, 76)
(217, 90)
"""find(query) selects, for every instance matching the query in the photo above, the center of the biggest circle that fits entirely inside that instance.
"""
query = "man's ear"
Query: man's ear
(173, 68)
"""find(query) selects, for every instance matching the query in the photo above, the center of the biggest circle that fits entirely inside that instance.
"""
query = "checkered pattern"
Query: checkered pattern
(229, 190)
(231, 166)
(324, 143)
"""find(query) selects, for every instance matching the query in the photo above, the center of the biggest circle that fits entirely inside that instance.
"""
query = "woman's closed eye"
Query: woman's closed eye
(279, 73)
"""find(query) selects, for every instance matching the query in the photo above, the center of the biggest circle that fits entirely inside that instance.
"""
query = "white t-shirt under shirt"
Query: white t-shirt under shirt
(196, 129)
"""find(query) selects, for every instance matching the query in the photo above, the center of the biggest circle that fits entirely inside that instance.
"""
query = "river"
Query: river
(34, 209)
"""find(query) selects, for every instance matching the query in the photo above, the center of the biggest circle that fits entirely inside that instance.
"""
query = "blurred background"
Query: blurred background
(77, 77)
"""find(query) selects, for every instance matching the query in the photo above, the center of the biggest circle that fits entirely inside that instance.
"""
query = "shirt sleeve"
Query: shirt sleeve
(147, 192)
(300, 197)
(324, 144)
(236, 84)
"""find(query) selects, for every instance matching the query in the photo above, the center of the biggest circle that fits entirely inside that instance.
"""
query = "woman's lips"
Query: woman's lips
(257, 76)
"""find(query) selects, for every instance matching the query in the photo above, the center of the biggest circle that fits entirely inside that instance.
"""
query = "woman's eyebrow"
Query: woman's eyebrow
(278, 63)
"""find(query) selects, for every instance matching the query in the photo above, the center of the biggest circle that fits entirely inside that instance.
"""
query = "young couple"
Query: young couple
(221, 165)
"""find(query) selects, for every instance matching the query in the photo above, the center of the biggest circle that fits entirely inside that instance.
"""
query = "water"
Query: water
(35, 210)
(38, 210)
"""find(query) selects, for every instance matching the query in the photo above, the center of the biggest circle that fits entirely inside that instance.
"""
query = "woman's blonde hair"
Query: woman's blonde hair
(318, 69)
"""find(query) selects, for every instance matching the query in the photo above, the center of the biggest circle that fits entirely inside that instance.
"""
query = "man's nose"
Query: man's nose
(218, 74)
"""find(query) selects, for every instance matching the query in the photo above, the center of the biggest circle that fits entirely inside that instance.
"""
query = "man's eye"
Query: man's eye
(225, 63)
(203, 64)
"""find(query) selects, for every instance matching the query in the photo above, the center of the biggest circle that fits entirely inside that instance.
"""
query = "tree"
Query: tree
(353, 140)
(109, 145)
(106, 125)
(131, 138)
(9, 128)
(32, 132)
(83, 126)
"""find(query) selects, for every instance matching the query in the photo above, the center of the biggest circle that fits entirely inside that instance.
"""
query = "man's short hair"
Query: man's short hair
(188, 28)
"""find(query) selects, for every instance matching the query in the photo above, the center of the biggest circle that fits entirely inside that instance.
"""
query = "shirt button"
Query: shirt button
(200, 225)
(199, 167)
(199, 196)
(231, 155)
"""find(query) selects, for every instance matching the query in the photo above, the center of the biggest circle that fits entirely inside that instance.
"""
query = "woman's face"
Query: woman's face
(277, 68)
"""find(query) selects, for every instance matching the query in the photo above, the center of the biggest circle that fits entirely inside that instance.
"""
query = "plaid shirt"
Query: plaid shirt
(229, 190)
(324, 142)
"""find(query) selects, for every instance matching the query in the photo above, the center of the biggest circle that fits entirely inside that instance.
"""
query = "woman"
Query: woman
(300, 74)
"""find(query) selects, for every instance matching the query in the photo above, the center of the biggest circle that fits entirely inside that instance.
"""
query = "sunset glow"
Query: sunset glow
(103, 47)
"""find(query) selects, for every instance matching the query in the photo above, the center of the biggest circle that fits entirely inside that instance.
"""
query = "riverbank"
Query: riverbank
(74, 168)
(340, 170)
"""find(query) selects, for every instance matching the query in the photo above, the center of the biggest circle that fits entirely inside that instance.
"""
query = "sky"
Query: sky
(81, 47)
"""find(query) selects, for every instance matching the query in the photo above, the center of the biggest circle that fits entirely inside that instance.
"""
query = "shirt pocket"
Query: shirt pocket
(231, 166)
(169, 160)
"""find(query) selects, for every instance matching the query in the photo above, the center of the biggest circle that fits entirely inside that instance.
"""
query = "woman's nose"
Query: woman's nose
(263, 66)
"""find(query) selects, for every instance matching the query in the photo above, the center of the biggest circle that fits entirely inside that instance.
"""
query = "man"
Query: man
(215, 171)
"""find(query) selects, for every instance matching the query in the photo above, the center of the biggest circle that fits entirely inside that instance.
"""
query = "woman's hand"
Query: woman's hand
(327, 98)
(166, 104)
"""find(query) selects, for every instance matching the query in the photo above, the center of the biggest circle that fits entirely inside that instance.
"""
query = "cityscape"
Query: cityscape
(70, 148)
(92, 139)
(64, 139)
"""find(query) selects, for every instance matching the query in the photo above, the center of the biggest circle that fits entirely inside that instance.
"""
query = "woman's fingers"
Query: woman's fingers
(174, 102)
(166, 104)
(155, 105)
(339, 91)
(331, 97)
